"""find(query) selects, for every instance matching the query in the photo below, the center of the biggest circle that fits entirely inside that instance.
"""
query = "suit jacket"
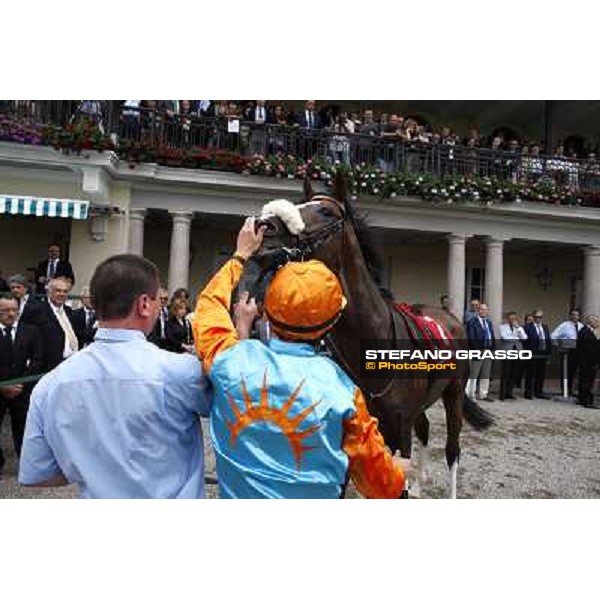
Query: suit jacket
(85, 332)
(27, 356)
(533, 339)
(33, 312)
(177, 335)
(477, 334)
(53, 337)
(301, 120)
(250, 114)
(588, 348)
(63, 269)
(156, 337)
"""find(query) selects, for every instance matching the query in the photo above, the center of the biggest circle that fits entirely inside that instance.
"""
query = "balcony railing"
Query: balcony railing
(135, 127)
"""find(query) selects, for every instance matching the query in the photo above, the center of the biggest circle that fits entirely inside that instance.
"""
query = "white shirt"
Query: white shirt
(67, 350)
(49, 270)
(512, 336)
(567, 330)
(13, 333)
(22, 304)
(260, 114)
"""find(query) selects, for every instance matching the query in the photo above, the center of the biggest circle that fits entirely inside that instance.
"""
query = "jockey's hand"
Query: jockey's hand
(245, 313)
(249, 240)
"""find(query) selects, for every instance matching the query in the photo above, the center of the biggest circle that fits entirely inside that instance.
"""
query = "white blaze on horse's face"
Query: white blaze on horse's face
(288, 212)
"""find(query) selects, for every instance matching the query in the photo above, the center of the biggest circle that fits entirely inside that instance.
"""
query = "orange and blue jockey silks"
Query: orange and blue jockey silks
(286, 422)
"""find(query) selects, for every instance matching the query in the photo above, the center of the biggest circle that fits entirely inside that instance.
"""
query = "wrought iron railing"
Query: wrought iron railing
(153, 128)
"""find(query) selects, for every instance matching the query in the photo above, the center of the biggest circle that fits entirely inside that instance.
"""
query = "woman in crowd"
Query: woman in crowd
(179, 330)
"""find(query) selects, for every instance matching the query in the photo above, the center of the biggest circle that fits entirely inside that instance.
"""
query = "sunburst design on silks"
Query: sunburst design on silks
(263, 411)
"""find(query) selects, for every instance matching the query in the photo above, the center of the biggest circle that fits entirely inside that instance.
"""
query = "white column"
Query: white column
(591, 281)
(456, 273)
(179, 260)
(494, 279)
(136, 231)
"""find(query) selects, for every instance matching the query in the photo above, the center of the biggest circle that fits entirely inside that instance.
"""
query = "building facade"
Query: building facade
(514, 256)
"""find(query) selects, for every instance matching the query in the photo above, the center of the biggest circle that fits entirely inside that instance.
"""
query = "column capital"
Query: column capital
(591, 250)
(458, 238)
(495, 241)
(181, 216)
(137, 214)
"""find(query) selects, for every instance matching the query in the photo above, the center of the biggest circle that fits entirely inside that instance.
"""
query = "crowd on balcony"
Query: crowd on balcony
(172, 132)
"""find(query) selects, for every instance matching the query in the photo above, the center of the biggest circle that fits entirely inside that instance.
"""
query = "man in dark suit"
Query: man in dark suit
(31, 309)
(258, 115)
(480, 332)
(158, 336)
(21, 355)
(57, 331)
(52, 267)
(540, 344)
(84, 320)
(309, 118)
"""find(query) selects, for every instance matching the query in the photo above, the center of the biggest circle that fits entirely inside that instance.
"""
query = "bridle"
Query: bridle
(305, 244)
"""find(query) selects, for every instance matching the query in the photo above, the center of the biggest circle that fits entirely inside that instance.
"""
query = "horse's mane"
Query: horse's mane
(368, 247)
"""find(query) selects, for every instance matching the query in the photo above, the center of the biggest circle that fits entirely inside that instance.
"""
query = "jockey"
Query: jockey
(286, 421)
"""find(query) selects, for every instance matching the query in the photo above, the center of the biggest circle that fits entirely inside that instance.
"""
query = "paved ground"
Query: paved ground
(537, 449)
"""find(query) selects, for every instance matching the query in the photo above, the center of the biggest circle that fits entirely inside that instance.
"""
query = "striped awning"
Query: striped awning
(44, 207)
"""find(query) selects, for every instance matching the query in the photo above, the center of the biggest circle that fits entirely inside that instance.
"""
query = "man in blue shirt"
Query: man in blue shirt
(120, 418)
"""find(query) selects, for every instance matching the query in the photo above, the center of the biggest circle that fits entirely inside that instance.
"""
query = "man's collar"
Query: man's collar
(107, 334)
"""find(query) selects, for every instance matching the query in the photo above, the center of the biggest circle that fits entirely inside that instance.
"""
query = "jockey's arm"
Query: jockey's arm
(371, 465)
(213, 328)
(214, 331)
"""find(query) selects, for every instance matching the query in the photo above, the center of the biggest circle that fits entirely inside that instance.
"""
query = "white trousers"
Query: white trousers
(479, 372)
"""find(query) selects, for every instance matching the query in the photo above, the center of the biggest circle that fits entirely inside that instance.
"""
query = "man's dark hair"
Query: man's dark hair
(53, 245)
(118, 281)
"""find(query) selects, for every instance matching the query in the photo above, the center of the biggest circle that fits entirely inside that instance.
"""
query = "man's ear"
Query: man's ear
(143, 306)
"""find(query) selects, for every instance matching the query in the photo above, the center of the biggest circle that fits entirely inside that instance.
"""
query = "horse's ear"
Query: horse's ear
(340, 187)
(308, 190)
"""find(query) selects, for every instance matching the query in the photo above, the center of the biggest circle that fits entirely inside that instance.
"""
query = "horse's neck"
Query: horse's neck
(367, 315)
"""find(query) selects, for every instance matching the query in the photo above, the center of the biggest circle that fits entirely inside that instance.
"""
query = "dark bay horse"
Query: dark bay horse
(333, 233)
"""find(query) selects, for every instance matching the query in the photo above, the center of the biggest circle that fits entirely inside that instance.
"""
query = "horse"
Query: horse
(328, 228)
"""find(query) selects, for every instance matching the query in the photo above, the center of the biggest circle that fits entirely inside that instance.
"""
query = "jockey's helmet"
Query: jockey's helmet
(303, 301)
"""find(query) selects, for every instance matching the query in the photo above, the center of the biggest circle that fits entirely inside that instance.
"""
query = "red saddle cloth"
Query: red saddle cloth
(424, 330)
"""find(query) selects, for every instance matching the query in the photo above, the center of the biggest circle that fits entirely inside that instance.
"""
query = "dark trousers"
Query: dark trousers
(17, 408)
(534, 377)
(572, 364)
(520, 372)
(587, 377)
(508, 377)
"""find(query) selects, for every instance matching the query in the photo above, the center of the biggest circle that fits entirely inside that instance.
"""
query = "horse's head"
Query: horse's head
(312, 229)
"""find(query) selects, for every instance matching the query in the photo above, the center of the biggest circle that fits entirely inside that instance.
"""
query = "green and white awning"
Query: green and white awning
(44, 207)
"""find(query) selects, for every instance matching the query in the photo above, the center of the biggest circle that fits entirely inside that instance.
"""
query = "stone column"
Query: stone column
(136, 231)
(591, 281)
(456, 273)
(179, 259)
(494, 279)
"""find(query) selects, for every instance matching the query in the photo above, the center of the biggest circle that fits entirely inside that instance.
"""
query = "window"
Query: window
(475, 284)
(576, 284)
